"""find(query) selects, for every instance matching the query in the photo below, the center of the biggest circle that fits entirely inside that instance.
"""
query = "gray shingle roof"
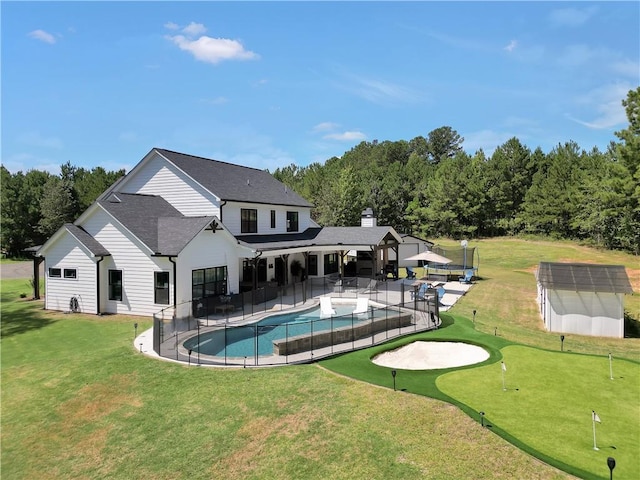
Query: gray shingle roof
(87, 240)
(140, 214)
(584, 277)
(327, 236)
(235, 182)
(175, 233)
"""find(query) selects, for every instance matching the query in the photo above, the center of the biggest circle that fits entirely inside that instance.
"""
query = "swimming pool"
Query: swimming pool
(257, 338)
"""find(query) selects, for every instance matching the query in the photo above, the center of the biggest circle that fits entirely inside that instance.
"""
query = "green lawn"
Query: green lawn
(78, 401)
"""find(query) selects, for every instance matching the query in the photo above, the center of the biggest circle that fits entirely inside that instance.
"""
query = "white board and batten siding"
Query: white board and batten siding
(131, 257)
(206, 250)
(232, 217)
(161, 178)
(67, 253)
(583, 313)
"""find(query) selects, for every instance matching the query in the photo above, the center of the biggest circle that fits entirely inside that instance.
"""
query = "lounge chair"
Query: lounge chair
(468, 275)
(441, 291)
(326, 308)
(362, 306)
(410, 274)
(371, 287)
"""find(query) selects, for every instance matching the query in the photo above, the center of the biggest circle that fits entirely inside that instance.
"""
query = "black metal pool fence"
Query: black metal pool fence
(222, 318)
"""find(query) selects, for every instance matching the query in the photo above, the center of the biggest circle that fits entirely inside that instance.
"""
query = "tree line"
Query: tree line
(36, 204)
(431, 187)
(428, 186)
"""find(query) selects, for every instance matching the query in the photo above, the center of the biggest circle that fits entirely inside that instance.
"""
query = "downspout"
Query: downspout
(222, 204)
(98, 285)
(175, 283)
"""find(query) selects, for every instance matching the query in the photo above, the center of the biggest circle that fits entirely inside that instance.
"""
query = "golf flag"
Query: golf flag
(594, 418)
(504, 367)
(504, 384)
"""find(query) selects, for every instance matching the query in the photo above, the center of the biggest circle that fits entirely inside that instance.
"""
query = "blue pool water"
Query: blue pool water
(247, 340)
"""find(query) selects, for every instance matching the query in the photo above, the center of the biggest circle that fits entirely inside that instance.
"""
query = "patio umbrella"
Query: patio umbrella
(429, 256)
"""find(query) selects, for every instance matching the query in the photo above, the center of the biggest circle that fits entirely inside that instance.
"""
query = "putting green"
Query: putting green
(548, 402)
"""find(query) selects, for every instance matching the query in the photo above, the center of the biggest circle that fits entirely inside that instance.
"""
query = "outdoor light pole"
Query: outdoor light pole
(135, 330)
(611, 463)
(482, 418)
(141, 348)
(474, 316)
(393, 374)
(562, 343)
(189, 357)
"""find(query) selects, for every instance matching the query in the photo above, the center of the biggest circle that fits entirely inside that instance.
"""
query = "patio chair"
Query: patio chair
(326, 308)
(421, 294)
(468, 274)
(441, 291)
(410, 274)
(362, 305)
(371, 287)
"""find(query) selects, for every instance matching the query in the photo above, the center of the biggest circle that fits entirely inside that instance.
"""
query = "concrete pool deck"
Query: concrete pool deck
(390, 291)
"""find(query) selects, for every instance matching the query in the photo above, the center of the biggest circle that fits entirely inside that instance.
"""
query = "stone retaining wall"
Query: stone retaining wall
(307, 342)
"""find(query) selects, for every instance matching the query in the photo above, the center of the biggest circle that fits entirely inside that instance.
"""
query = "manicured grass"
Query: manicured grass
(548, 403)
(78, 400)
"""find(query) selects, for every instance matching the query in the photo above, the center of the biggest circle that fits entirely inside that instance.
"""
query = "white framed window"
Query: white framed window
(55, 273)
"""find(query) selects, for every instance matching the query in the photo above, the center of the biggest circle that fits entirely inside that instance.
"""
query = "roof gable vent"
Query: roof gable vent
(113, 198)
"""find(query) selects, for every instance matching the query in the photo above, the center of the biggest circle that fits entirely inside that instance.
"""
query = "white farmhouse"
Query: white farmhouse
(582, 298)
(178, 228)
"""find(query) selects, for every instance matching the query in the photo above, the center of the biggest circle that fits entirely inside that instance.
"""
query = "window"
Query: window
(249, 220)
(161, 290)
(55, 273)
(70, 273)
(115, 285)
(312, 263)
(208, 282)
(273, 219)
(330, 263)
(292, 221)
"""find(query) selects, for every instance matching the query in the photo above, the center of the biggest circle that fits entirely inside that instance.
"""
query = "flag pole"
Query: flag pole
(610, 366)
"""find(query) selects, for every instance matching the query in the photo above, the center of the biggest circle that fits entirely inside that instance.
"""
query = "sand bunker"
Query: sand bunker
(431, 355)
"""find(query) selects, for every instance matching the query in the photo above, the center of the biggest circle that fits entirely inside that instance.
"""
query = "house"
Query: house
(178, 228)
(581, 298)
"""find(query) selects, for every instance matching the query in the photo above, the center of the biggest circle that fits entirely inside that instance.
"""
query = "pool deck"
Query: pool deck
(390, 293)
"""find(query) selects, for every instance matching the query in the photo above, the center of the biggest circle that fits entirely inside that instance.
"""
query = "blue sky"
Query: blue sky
(269, 84)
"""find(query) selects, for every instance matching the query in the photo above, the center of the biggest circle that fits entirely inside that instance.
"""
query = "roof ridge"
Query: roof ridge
(208, 159)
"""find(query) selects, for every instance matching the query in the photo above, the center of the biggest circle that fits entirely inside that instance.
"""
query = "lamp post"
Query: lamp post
(562, 343)
(190, 357)
(135, 330)
(611, 463)
(482, 418)
(474, 316)
(141, 348)
(393, 374)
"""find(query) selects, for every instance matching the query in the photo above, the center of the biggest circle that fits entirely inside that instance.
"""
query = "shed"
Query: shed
(583, 298)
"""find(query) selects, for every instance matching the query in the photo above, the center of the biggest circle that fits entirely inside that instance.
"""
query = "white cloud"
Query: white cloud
(381, 92)
(348, 136)
(208, 49)
(194, 29)
(511, 46)
(571, 17)
(43, 36)
(213, 50)
(325, 126)
(35, 139)
(604, 106)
